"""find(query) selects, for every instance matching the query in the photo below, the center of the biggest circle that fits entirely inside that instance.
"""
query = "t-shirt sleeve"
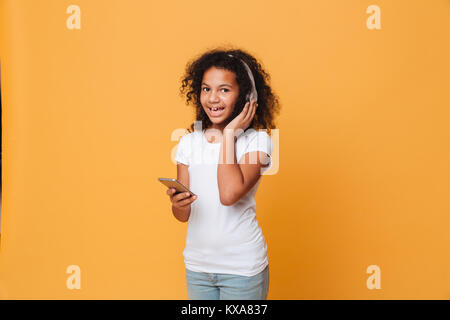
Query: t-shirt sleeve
(260, 141)
(183, 151)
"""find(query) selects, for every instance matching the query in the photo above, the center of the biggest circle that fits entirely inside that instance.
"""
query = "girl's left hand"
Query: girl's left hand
(243, 120)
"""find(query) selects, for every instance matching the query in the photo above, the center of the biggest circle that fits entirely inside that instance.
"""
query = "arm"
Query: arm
(236, 179)
(182, 176)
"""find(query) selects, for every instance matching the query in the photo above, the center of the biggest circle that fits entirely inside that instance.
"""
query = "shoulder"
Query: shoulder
(190, 140)
(257, 142)
(253, 140)
(255, 136)
(188, 137)
(185, 148)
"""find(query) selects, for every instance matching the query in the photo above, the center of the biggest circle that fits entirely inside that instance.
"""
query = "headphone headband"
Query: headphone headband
(253, 94)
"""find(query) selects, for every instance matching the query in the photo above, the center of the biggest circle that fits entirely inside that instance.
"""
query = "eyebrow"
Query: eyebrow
(222, 85)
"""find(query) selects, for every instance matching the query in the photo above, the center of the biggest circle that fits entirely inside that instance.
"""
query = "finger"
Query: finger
(254, 110)
(245, 110)
(250, 118)
(181, 196)
(251, 112)
(187, 201)
(171, 194)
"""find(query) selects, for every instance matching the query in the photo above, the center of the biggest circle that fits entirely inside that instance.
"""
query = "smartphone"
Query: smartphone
(174, 183)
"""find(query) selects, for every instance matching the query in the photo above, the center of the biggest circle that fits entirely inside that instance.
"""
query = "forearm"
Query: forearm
(229, 175)
(182, 214)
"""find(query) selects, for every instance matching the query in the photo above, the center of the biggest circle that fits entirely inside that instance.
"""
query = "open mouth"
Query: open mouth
(216, 112)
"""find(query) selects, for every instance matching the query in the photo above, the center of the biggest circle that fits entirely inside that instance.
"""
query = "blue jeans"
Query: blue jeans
(222, 286)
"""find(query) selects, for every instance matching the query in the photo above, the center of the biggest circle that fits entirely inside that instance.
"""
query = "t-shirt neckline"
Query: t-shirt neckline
(206, 140)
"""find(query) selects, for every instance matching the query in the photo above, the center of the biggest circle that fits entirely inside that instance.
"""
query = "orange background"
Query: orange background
(363, 178)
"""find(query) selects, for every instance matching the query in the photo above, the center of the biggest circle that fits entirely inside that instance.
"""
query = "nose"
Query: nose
(213, 96)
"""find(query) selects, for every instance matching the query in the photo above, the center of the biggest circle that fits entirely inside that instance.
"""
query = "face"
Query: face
(219, 90)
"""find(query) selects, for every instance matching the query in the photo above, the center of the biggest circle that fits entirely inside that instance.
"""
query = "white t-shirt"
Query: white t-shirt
(222, 239)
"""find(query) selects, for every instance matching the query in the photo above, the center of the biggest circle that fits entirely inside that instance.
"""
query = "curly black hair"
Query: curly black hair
(268, 102)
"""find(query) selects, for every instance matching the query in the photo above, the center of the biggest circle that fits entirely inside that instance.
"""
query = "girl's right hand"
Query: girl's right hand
(180, 200)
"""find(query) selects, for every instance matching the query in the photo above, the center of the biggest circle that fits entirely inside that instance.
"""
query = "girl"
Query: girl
(221, 160)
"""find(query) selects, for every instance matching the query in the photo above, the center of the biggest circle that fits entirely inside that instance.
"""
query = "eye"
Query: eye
(221, 89)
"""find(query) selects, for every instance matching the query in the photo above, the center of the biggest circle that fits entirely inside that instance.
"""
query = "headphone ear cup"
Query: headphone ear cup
(252, 95)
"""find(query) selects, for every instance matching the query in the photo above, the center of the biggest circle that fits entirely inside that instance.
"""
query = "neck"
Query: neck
(218, 127)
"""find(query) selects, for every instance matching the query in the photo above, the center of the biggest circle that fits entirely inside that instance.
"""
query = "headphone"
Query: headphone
(253, 94)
